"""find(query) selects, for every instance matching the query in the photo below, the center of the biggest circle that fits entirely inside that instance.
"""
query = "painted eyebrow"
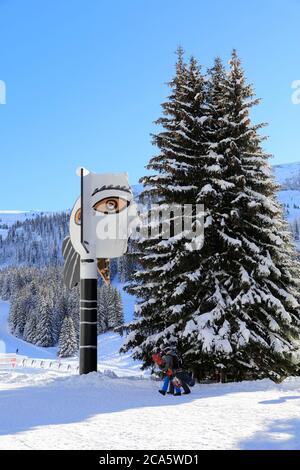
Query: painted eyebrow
(118, 188)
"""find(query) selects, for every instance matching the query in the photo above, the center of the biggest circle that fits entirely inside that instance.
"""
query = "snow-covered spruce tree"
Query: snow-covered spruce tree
(30, 329)
(247, 321)
(21, 307)
(60, 310)
(112, 312)
(110, 308)
(36, 241)
(295, 229)
(126, 264)
(68, 344)
(16, 316)
(44, 307)
(102, 321)
(5, 287)
(119, 313)
(123, 268)
(74, 308)
(170, 268)
(233, 305)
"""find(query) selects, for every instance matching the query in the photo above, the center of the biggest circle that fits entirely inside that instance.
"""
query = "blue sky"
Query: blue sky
(85, 80)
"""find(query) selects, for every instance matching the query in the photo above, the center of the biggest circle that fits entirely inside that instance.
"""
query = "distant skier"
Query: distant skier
(17, 351)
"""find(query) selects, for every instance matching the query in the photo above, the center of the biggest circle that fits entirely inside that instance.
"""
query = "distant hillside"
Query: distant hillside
(288, 175)
(32, 239)
(9, 218)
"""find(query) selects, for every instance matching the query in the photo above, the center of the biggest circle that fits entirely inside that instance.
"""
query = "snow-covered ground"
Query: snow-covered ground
(47, 410)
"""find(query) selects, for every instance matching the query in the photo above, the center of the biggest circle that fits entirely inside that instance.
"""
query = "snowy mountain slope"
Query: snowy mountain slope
(288, 176)
(33, 239)
(287, 173)
(291, 201)
(9, 218)
(97, 412)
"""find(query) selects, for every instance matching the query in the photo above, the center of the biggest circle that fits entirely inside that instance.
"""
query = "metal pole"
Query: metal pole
(88, 316)
(88, 301)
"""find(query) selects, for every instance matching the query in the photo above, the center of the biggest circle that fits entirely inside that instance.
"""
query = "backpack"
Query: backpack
(177, 361)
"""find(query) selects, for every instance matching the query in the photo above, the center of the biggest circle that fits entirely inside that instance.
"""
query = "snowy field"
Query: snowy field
(47, 410)
(44, 409)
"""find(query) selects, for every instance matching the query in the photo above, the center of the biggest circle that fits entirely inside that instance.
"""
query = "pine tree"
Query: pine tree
(126, 263)
(170, 267)
(68, 345)
(111, 307)
(74, 308)
(22, 303)
(123, 268)
(102, 320)
(119, 313)
(30, 329)
(297, 229)
(14, 316)
(44, 336)
(234, 304)
(60, 310)
(247, 322)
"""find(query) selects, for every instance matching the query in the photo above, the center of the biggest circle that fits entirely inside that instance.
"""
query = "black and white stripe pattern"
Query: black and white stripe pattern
(71, 271)
(88, 325)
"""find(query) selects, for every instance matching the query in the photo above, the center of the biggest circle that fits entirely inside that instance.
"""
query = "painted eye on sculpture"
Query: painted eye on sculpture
(78, 217)
(111, 205)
